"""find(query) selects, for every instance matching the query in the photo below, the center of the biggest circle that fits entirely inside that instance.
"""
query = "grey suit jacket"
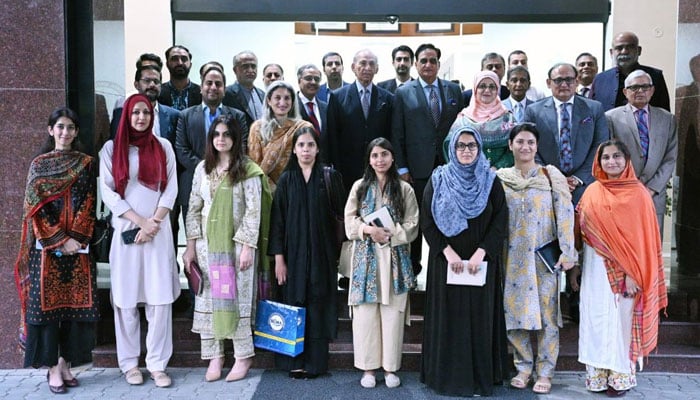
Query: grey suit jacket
(656, 171)
(190, 142)
(588, 130)
(417, 141)
(234, 97)
(509, 105)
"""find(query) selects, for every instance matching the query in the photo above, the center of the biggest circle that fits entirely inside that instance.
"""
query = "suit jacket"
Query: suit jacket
(503, 94)
(322, 110)
(167, 120)
(324, 94)
(349, 133)
(588, 130)
(194, 95)
(656, 171)
(390, 84)
(234, 97)
(190, 143)
(606, 88)
(417, 141)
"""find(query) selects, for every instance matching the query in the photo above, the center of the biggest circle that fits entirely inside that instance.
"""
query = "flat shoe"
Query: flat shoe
(61, 389)
(161, 379)
(520, 381)
(542, 386)
(134, 377)
(71, 382)
(368, 381)
(611, 392)
(296, 374)
(392, 380)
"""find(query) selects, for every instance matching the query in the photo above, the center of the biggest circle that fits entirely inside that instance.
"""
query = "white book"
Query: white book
(465, 278)
(382, 216)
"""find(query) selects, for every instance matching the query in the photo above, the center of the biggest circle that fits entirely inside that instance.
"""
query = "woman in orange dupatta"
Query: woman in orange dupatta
(619, 320)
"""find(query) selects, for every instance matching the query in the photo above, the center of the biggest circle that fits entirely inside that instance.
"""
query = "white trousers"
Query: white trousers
(159, 338)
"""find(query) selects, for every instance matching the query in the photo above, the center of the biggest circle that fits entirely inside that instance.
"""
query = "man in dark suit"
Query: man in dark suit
(571, 128)
(518, 81)
(179, 93)
(332, 64)
(424, 110)
(587, 68)
(608, 85)
(243, 95)
(357, 114)
(310, 107)
(491, 62)
(193, 125)
(650, 135)
(402, 59)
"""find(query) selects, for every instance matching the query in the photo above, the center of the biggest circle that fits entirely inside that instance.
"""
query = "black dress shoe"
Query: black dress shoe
(309, 375)
(55, 389)
(615, 393)
(296, 374)
(71, 382)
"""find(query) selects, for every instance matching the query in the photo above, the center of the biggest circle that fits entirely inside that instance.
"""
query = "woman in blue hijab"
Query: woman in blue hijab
(464, 218)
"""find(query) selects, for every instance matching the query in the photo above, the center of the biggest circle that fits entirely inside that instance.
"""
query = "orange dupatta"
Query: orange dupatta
(618, 220)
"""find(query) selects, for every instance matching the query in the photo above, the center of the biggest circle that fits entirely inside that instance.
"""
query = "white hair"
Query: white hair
(636, 74)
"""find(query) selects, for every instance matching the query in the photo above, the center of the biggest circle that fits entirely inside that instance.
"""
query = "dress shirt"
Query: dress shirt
(569, 107)
(426, 90)
(156, 120)
(208, 118)
(317, 113)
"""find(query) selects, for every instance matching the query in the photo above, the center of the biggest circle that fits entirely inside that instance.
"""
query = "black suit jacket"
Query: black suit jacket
(390, 84)
(504, 93)
(349, 132)
(234, 97)
(194, 95)
(417, 141)
(606, 88)
(190, 143)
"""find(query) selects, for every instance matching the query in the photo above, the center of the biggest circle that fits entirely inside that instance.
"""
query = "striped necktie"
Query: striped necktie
(565, 150)
(643, 127)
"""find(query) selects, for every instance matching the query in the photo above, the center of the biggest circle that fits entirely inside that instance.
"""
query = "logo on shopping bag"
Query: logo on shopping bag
(276, 322)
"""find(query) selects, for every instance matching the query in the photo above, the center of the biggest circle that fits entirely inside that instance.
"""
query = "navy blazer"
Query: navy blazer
(606, 87)
(589, 129)
(324, 94)
(234, 97)
(417, 141)
(190, 143)
(167, 120)
(349, 133)
(503, 94)
(390, 84)
(322, 110)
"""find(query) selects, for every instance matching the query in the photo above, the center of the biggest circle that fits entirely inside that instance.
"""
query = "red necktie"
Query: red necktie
(312, 117)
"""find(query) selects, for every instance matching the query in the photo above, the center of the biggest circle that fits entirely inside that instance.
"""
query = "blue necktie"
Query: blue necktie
(565, 153)
(518, 112)
(434, 105)
(643, 128)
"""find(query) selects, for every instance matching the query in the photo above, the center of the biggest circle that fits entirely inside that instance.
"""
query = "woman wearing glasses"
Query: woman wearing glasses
(540, 210)
(464, 219)
(270, 138)
(490, 118)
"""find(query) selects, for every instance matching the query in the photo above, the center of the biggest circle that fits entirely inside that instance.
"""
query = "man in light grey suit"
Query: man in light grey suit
(570, 134)
(416, 134)
(651, 136)
(518, 82)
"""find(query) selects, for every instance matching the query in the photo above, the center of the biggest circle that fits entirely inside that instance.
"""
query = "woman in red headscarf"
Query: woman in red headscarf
(138, 183)
(622, 282)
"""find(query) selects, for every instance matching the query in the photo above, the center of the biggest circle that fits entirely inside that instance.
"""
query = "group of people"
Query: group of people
(261, 178)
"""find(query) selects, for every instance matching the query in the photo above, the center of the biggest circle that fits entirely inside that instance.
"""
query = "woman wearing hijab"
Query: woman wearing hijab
(138, 184)
(490, 118)
(540, 210)
(59, 216)
(464, 219)
(622, 281)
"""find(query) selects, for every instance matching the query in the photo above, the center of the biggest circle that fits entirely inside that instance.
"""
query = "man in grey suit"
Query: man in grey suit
(243, 95)
(518, 82)
(193, 125)
(402, 58)
(423, 112)
(571, 128)
(650, 135)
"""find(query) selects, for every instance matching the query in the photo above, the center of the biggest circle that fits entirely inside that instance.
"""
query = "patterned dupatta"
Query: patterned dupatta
(364, 268)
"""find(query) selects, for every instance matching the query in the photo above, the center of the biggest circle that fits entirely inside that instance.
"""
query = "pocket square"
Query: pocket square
(587, 120)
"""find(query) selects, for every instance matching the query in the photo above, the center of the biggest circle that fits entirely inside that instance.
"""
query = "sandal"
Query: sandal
(542, 386)
(520, 381)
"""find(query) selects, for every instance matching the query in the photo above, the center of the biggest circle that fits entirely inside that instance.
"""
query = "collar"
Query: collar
(360, 87)
(634, 109)
(305, 100)
(424, 84)
(557, 102)
(523, 102)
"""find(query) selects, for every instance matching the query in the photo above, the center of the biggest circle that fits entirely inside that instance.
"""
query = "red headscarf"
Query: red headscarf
(618, 220)
(152, 163)
(479, 111)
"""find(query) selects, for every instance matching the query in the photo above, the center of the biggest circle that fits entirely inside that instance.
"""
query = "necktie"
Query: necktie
(365, 102)
(255, 106)
(518, 112)
(312, 117)
(565, 154)
(584, 91)
(643, 128)
(434, 105)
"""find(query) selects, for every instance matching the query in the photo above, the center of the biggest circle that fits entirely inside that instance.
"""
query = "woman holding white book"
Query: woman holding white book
(464, 219)
(381, 273)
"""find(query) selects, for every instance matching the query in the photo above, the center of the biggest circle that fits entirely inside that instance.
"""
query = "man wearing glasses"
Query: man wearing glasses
(608, 85)
(310, 107)
(650, 135)
(424, 110)
(571, 128)
(271, 73)
(243, 95)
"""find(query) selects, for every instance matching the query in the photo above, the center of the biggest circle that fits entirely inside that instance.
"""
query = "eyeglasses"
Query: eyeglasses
(639, 88)
(148, 81)
(311, 78)
(460, 146)
(559, 81)
(485, 87)
(272, 75)
(431, 60)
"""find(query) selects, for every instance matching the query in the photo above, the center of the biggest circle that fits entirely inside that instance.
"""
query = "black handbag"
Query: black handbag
(338, 220)
(102, 236)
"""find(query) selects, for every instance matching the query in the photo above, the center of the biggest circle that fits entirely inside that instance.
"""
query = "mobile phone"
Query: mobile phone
(130, 236)
(378, 223)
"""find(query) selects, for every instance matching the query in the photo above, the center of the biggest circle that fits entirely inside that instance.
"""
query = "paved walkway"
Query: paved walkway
(188, 384)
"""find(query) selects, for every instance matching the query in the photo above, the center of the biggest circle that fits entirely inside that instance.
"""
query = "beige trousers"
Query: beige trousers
(159, 338)
(377, 334)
